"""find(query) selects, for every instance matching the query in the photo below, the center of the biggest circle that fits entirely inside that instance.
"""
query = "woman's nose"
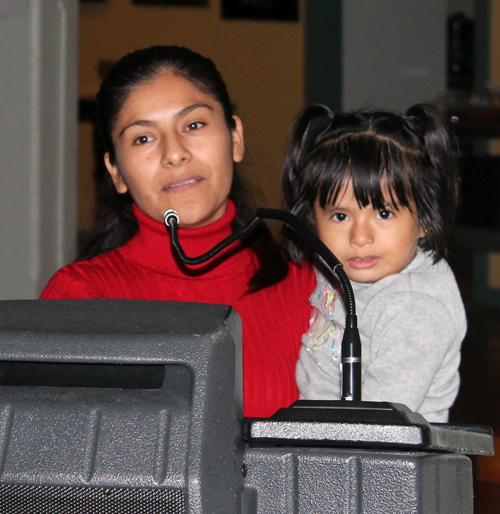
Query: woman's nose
(361, 234)
(175, 152)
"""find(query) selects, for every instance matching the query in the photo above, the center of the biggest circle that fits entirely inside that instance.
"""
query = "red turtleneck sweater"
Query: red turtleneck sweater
(273, 319)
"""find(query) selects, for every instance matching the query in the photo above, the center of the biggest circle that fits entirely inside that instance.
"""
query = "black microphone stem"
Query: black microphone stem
(172, 219)
(351, 343)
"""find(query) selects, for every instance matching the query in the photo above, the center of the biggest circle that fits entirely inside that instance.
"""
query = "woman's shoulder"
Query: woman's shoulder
(83, 279)
(67, 283)
(299, 282)
(303, 273)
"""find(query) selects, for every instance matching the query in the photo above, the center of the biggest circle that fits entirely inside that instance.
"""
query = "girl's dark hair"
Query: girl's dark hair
(410, 156)
(115, 223)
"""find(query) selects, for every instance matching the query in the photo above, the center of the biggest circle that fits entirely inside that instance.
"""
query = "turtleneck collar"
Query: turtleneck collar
(151, 248)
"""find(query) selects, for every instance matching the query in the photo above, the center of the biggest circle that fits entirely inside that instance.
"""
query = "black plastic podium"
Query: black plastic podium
(121, 407)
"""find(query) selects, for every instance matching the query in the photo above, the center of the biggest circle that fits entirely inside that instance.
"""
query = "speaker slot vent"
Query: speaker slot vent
(36, 499)
(107, 376)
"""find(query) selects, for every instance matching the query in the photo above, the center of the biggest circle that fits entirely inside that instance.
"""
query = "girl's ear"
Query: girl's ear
(113, 170)
(423, 231)
(238, 141)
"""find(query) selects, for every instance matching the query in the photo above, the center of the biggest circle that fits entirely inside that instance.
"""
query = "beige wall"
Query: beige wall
(261, 62)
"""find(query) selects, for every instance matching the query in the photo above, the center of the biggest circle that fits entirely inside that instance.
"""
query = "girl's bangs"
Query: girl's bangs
(378, 171)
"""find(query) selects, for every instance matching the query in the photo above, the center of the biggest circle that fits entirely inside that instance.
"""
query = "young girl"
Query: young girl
(170, 141)
(380, 190)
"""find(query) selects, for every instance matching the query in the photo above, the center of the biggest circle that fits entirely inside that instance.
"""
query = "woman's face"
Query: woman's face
(174, 150)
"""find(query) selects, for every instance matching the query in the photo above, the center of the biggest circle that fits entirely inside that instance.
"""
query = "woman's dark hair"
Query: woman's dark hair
(409, 156)
(115, 223)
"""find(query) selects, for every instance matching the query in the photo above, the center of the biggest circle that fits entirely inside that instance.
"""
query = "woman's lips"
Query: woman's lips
(363, 262)
(182, 184)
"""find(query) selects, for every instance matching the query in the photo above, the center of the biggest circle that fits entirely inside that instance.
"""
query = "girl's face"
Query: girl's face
(175, 151)
(371, 244)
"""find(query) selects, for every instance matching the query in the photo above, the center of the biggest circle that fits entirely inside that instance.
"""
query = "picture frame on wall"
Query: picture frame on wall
(173, 3)
(273, 10)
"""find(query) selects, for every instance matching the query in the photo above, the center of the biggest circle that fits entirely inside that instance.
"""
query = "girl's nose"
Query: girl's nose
(175, 152)
(361, 234)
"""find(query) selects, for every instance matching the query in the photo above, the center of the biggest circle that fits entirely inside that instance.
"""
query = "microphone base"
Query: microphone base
(358, 424)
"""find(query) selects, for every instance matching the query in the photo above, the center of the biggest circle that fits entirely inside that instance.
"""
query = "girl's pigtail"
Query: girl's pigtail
(301, 140)
(440, 179)
(308, 129)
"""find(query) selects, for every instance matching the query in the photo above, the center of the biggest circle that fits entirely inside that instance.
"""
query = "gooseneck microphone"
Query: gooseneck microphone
(172, 220)
(351, 343)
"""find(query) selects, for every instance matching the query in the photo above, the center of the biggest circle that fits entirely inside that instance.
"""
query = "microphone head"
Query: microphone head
(170, 217)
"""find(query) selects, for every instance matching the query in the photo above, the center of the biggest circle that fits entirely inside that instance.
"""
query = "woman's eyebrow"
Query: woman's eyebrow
(180, 114)
(190, 108)
(140, 123)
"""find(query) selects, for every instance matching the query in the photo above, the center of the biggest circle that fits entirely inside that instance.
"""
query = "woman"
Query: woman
(171, 140)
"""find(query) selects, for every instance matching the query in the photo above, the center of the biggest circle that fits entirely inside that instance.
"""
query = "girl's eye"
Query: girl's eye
(339, 216)
(141, 140)
(195, 125)
(384, 215)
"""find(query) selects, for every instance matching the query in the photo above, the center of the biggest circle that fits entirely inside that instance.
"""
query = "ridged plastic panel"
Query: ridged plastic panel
(343, 481)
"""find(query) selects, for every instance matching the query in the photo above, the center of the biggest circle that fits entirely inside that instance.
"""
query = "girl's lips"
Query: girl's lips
(363, 262)
(182, 184)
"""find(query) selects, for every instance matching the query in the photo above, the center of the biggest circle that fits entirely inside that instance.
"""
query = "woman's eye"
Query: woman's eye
(195, 125)
(142, 140)
(384, 215)
(339, 216)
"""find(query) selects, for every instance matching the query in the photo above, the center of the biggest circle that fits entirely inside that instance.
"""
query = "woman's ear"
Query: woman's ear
(423, 231)
(113, 170)
(238, 141)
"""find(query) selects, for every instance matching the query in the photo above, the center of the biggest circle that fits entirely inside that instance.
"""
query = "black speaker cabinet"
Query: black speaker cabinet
(135, 407)
(119, 407)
